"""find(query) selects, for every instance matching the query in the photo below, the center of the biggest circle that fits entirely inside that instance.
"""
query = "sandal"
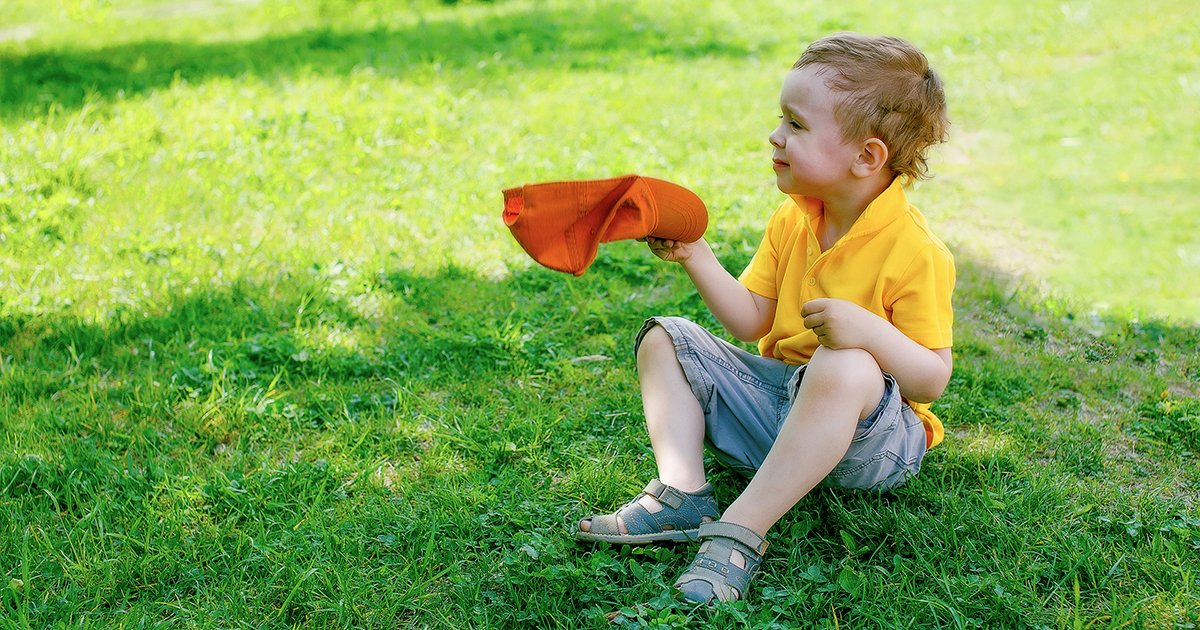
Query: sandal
(713, 575)
(679, 520)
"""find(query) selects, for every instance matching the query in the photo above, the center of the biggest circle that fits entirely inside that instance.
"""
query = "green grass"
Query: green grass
(268, 357)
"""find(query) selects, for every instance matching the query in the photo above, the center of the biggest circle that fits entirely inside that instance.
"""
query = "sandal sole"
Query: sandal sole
(684, 535)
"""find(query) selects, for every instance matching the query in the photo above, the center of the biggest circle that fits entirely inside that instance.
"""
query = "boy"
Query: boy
(848, 297)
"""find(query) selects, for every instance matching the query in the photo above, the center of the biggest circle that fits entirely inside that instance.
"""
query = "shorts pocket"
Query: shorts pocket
(885, 454)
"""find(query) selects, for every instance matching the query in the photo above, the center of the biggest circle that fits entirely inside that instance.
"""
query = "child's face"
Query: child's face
(811, 157)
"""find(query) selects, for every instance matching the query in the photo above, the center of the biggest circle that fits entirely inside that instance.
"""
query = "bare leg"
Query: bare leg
(840, 387)
(674, 418)
(673, 415)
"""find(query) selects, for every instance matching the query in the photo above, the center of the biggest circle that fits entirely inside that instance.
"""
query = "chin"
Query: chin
(787, 189)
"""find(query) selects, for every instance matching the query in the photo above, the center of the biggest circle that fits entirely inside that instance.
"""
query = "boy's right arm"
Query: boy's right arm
(745, 314)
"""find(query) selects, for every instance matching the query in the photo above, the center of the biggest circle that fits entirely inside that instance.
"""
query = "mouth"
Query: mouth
(780, 164)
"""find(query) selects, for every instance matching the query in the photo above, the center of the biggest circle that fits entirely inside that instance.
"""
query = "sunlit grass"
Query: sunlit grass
(305, 136)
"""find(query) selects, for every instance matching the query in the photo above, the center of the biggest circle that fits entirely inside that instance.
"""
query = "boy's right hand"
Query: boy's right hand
(673, 251)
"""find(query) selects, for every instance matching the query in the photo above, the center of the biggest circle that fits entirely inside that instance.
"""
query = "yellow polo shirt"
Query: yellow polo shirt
(889, 263)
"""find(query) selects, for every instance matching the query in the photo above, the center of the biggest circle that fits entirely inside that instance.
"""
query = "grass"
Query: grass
(268, 357)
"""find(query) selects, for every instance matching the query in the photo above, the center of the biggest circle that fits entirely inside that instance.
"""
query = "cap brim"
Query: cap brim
(682, 215)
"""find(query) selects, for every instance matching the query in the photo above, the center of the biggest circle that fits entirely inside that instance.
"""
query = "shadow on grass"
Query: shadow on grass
(462, 338)
(532, 38)
(471, 418)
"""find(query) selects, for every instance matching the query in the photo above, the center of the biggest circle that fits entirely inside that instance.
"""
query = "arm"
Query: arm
(745, 314)
(921, 373)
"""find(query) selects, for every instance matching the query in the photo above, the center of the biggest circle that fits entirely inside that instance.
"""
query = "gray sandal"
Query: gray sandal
(680, 519)
(712, 575)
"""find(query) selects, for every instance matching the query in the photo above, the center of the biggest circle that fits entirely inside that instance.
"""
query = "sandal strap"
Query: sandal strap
(712, 575)
(723, 577)
(745, 536)
(681, 511)
(672, 497)
(639, 519)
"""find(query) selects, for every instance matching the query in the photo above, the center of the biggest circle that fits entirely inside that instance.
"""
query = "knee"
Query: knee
(848, 367)
(656, 343)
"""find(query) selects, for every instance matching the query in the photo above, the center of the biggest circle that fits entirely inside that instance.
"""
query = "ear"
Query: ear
(872, 158)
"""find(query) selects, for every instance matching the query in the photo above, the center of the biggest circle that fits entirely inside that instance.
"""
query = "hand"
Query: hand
(671, 251)
(839, 323)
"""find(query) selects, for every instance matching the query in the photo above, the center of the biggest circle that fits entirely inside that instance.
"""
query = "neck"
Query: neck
(842, 210)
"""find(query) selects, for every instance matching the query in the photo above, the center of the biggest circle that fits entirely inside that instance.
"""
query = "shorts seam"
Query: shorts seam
(698, 378)
(748, 379)
(874, 459)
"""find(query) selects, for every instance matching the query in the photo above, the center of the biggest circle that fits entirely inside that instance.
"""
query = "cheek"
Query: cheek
(833, 146)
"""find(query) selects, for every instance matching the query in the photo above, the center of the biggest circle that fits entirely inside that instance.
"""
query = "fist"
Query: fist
(671, 251)
(838, 323)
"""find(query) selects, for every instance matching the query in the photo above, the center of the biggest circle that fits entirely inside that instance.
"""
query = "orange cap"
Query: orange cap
(561, 224)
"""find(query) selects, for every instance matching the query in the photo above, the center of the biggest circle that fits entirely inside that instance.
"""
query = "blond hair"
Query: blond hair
(891, 93)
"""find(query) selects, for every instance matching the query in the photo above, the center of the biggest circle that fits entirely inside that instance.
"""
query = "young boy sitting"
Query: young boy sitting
(848, 297)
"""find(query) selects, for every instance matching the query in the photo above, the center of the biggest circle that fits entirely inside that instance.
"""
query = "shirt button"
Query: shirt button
(810, 251)
(812, 281)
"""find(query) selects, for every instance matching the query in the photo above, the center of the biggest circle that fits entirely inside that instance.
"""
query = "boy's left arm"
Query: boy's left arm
(921, 373)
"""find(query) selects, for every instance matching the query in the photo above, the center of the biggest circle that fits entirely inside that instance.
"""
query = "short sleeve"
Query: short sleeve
(921, 301)
(760, 276)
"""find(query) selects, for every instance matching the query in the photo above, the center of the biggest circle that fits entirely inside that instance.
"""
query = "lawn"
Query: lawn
(269, 357)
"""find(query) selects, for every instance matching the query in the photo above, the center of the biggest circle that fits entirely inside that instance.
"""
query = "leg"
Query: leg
(674, 419)
(840, 387)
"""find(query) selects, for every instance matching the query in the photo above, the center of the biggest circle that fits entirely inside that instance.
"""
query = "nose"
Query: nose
(775, 137)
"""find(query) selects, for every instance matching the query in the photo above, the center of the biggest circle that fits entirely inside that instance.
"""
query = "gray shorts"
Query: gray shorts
(745, 398)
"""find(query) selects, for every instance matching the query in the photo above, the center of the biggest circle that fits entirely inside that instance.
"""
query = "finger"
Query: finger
(813, 306)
